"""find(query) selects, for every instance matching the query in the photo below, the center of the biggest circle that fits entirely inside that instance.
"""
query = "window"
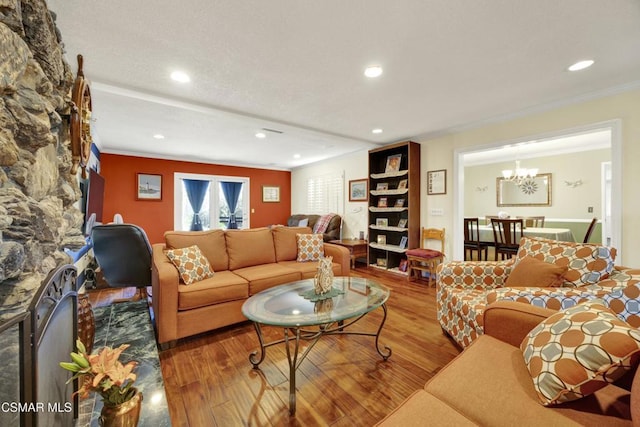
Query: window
(215, 209)
(325, 194)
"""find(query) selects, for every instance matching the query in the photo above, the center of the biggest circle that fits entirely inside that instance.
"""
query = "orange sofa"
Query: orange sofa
(245, 262)
(488, 385)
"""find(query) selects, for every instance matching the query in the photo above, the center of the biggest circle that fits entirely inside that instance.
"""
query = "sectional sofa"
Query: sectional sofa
(244, 262)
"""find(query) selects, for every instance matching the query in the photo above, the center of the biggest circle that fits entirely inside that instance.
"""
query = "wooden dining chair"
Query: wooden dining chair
(423, 259)
(592, 226)
(532, 221)
(472, 241)
(506, 235)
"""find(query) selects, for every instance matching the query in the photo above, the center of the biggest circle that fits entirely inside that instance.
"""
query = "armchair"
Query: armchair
(331, 233)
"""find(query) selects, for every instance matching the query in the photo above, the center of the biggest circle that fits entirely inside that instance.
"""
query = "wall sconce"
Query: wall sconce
(573, 184)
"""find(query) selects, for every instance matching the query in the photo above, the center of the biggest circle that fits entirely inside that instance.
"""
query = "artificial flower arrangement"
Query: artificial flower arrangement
(106, 375)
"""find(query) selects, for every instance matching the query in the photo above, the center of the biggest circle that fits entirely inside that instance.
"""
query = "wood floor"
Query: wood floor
(343, 382)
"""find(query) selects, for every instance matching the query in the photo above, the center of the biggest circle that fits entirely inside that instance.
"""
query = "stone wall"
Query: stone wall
(37, 192)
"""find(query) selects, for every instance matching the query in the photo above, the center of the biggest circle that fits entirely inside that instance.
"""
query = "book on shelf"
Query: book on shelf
(382, 222)
(399, 203)
(382, 239)
(393, 163)
(382, 186)
(402, 184)
(382, 202)
(403, 242)
(402, 223)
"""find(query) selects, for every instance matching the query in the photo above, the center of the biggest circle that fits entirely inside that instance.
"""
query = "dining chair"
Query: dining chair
(506, 235)
(423, 259)
(472, 241)
(592, 226)
(532, 221)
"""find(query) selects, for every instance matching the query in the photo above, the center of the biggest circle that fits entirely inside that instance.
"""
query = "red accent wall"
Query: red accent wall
(156, 217)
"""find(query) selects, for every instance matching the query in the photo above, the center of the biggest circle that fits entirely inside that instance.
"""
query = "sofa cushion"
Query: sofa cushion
(285, 242)
(211, 244)
(191, 264)
(250, 247)
(223, 286)
(422, 408)
(310, 247)
(261, 277)
(587, 263)
(309, 269)
(489, 384)
(530, 271)
(577, 351)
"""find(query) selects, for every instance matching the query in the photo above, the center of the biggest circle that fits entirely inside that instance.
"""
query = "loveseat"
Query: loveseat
(585, 271)
(333, 228)
(489, 384)
(244, 262)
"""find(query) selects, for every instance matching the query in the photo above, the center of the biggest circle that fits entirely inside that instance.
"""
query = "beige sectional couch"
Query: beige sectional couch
(245, 262)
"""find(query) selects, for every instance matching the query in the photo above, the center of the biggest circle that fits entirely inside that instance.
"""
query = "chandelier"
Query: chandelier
(519, 175)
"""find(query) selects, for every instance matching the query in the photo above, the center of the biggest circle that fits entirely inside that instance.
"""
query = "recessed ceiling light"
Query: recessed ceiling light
(378, 130)
(180, 77)
(158, 136)
(373, 71)
(296, 156)
(261, 135)
(581, 65)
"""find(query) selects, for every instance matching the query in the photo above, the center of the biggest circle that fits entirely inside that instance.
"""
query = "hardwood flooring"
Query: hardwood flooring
(342, 382)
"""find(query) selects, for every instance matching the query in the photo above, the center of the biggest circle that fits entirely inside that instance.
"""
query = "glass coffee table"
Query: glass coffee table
(303, 319)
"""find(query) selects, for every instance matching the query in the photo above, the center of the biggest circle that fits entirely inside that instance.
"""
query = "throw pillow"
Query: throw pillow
(573, 353)
(191, 264)
(535, 273)
(587, 263)
(310, 247)
(303, 222)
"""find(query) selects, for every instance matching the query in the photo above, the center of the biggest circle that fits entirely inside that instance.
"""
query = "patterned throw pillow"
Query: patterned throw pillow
(310, 247)
(191, 264)
(577, 351)
(587, 263)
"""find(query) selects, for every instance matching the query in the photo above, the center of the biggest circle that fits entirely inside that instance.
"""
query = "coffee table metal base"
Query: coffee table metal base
(292, 337)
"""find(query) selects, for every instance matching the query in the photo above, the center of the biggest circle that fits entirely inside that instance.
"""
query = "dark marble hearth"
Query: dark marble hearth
(130, 323)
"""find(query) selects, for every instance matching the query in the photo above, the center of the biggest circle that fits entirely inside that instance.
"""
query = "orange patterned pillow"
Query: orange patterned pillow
(191, 264)
(577, 351)
(310, 247)
(587, 263)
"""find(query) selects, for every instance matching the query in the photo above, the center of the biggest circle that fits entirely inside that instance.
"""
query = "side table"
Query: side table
(357, 248)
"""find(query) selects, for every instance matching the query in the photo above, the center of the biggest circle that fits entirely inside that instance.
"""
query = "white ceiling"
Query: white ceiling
(297, 67)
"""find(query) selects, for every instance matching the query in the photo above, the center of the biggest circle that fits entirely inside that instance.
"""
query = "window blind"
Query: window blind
(325, 194)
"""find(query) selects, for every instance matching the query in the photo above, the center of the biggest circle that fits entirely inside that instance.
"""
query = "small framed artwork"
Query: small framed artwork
(381, 262)
(358, 189)
(149, 186)
(393, 163)
(382, 239)
(270, 193)
(382, 222)
(382, 202)
(403, 242)
(402, 223)
(399, 203)
(359, 287)
(402, 184)
(381, 186)
(437, 182)
(403, 265)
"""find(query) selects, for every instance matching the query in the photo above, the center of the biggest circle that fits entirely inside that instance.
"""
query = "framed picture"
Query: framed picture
(381, 186)
(358, 287)
(399, 203)
(270, 193)
(534, 191)
(381, 262)
(382, 202)
(358, 190)
(393, 163)
(403, 265)
(403, 242)
(149, 186)
(402, 184)
(437, 182)
(382, 222)
(382, 239)
(402, 223)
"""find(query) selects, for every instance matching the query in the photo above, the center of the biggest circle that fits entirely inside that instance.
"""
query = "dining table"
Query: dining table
(562, 234)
